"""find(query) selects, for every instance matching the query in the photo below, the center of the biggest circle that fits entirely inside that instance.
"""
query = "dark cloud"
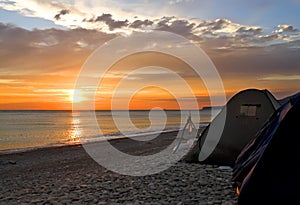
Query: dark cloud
(162, 23)
(217, 24)
(249, 31)
(140, 23)
(61, 13)
(174, 25)
(269, 38)
(110, 22)
(223, 32)
(285, 28)
(205, 30)
(182, 27)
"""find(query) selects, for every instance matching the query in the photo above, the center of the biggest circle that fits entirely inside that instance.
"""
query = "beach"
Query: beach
(68, 175)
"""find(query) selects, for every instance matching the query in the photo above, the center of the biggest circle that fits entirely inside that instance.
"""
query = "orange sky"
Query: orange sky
(55, 91)
(43, 45)
(37, 74)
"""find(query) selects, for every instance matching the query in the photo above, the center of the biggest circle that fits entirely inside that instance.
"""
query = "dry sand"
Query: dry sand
(68, 175)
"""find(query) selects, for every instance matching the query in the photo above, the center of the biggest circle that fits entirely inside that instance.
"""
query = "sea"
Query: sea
(26, 130)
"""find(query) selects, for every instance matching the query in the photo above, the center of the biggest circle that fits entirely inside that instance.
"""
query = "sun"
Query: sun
(75, 97)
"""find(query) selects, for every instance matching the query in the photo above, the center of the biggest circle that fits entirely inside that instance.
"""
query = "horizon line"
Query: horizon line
(206, 107)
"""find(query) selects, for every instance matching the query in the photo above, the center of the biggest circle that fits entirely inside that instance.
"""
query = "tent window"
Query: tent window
(248, 110)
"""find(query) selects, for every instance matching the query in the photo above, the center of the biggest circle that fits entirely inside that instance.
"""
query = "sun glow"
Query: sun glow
(75, 96)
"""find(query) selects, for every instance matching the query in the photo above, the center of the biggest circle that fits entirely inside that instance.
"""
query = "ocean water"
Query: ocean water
(32, 129)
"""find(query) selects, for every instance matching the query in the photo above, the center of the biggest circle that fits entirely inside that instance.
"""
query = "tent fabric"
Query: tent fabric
(267, 170)
(245, 113)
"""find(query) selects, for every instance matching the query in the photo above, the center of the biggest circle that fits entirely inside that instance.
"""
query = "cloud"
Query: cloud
(285, 28)
(51, 59)
(249, 31)
(219, 24)
(39, 60)
(269, 38)
(282, 34)
(179, 1)
(281, 77)
(124, 18)
(108, 20)
(33, 8)
(178, 26)
(61, 13)
(141, 23)
(231, 45)
(49, 10)
(24, 51)
(222, 26)
(256, 62)
(243, 44)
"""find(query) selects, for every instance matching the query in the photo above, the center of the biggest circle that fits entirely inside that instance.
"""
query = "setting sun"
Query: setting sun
(75, 96)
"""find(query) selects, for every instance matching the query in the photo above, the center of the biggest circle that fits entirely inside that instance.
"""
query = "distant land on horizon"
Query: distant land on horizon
(211, 107)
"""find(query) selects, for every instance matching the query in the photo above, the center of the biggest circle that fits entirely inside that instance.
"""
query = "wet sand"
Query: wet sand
(68, 175)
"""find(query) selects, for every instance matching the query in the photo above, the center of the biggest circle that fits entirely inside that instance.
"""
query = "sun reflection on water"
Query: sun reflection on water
(76, 130)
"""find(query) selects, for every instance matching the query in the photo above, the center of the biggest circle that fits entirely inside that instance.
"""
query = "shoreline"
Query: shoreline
(116, 138)
(68, 175)
(107, 138)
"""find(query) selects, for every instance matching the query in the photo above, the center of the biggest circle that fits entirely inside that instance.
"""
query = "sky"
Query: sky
(44, 44)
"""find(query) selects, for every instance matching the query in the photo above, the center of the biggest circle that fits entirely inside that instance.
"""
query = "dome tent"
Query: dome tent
(245, 113)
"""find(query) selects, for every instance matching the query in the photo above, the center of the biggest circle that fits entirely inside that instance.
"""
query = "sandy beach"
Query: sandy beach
(68, 175)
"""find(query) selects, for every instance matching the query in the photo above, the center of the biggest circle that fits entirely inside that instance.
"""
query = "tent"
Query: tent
(267, 170)
(245, 113)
